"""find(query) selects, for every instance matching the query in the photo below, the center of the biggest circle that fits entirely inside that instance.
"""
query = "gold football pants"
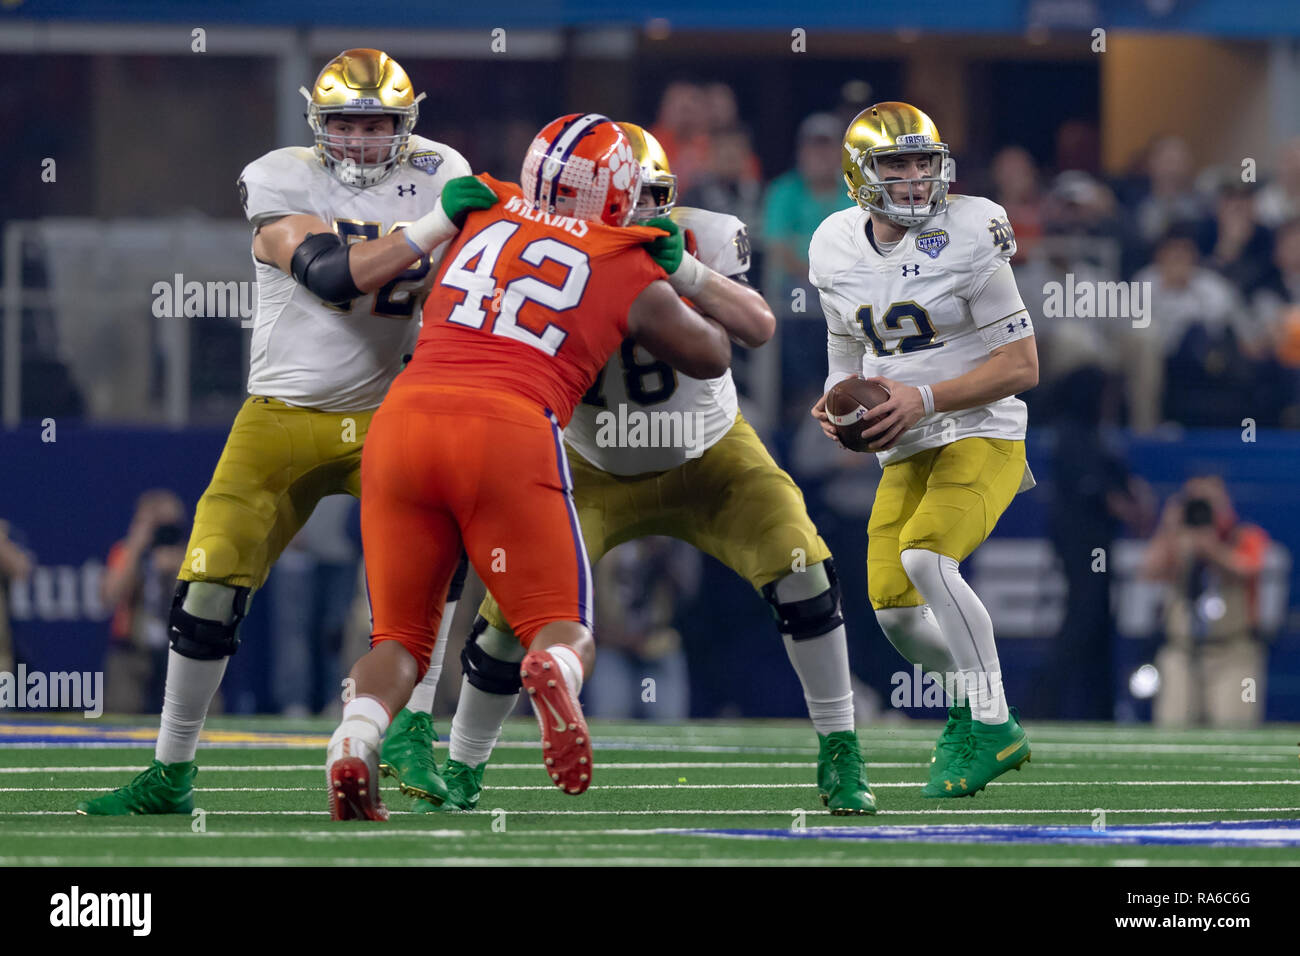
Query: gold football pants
(733, 502)
(279, 461)
(946, 500)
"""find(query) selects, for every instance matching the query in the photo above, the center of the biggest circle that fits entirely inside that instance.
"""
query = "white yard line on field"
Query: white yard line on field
(870, 744)
(821, 859)
(1267, 765)
(610, 765)
(745, 786)
(473, 832)
(1087, 811)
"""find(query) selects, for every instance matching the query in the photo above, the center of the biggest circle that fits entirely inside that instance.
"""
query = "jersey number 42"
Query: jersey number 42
(482, 294)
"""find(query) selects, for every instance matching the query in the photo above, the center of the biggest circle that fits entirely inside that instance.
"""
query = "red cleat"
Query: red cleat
(354, 793)
(566, 743)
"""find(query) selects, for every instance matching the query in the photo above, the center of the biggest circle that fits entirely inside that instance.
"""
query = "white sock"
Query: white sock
(364, 721)
(191, 685)
(570, 666)
(983, 692)
(477, 724)
(422, 697)
(822, 664)
(966, 627)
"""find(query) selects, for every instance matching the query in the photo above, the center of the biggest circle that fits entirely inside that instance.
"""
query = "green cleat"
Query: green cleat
(950, 742)
(407, 755)
(990, 751)
(825, 772)
(464, 785)
(163, 788)
(849, 791)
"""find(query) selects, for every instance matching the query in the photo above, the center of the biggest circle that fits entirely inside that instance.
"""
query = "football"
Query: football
(849, 404)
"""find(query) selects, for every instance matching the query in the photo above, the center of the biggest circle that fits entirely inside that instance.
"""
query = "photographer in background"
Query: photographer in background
(137, 588)
(1210, 563)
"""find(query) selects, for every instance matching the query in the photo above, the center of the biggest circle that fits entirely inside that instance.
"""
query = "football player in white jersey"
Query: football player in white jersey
(343, 238)
(918, 294)
(655, 452)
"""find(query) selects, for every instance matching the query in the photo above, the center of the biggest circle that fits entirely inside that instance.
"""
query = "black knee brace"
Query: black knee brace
(811, 617)
(199, 638)
(487, 673)
(457, 586)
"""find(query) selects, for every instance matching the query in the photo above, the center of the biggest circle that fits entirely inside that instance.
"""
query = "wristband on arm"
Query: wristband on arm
(690, 277)
(927, 399)
(430, 230)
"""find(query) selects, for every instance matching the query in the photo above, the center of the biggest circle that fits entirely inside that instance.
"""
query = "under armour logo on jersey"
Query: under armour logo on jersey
(916, 270)
(402, 190)
(1024, 323)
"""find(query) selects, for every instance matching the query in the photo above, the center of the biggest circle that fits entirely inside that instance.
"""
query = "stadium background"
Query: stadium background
(149, 132)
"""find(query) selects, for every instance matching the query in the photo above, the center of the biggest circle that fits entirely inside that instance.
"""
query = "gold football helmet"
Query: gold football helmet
(891, 129)
(362, 81)
(657, 180)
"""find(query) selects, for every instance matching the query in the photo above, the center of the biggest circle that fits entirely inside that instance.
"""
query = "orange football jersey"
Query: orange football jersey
(530, 304)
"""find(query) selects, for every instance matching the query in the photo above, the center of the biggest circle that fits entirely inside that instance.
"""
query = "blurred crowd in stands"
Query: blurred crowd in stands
(1209, 337)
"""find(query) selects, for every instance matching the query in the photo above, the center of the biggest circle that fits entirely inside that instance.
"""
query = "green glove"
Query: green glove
(667, 250)
(464, 194)
(460, 197)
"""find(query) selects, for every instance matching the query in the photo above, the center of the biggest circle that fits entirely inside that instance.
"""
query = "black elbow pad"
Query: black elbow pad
(320, 264)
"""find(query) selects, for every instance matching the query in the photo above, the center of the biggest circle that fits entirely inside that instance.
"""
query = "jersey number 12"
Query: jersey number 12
(894, 316)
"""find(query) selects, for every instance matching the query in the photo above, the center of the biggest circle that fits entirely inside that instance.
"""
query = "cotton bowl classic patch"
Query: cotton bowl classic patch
(932, 242)
(427, 159)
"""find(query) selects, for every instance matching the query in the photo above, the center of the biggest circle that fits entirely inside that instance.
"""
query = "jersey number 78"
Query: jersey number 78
(397, 298)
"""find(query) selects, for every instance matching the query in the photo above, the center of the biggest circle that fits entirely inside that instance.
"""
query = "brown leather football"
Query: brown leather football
(849, 404)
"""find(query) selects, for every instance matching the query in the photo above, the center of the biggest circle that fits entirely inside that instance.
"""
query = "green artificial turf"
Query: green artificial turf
(655, 788)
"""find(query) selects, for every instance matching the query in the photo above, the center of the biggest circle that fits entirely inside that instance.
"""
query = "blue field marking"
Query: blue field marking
(94, 734)
(1254, 833)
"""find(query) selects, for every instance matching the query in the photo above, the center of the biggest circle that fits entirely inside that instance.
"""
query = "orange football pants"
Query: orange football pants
(446, 468)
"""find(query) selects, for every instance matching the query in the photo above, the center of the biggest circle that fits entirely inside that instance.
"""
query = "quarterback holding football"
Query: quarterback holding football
(919, 297)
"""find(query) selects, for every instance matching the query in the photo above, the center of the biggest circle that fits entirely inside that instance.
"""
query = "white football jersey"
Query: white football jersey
(908, 314)
(308, 352)
(642, 415)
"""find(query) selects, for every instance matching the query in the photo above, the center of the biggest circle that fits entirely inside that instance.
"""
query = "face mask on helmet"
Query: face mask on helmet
(358, 158)
(582, 166)
(658, 196)
(900, 198)
(358, 85)
(895, 194)
(883, 143)
(658, 184)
